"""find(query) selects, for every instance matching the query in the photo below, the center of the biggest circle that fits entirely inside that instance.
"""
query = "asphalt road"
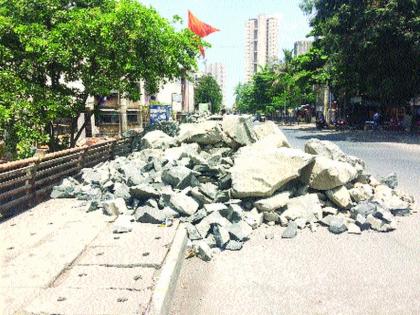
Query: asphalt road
(318, 273)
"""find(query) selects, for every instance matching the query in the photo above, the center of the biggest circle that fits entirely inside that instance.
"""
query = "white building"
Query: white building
(218, 72)
(261, 43)
(301, 47)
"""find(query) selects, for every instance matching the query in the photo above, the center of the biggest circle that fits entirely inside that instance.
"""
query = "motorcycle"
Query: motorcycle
(341, 124)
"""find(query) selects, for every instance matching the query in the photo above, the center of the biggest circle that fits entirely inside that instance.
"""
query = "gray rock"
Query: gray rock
(234, 245)
(271, 216)
(253, 218)
(306, 206)
(95, 176)
(144, 191)
(149, 215)
(179, 177)
(211, 207)
(157, 140)
(390, 180)
(361, 222)
(151, 203)
(221, 235)
(375, 224)
(337, 225)
(192, 232)
(67, 189)
(271, 130)
(353, 229)
(168, 213)
(121, 190)
(207, 132)
(198, 216)
(260, 173)
(199, 197)
(114, 207)
(361, 192)
(209, 189)
(364, 208)
(325, 174)
(123, 224)
(273, 203)
(211, 241)
(203, 250)
(240, 231)
(183, 204)
(290, 231)
(340, 196)
(384, 215)
(239, 129)
(217, 218)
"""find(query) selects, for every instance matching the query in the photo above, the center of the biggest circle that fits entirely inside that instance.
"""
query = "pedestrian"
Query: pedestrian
(376, 120)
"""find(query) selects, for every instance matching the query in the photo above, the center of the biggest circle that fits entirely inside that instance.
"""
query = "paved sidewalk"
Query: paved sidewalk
(58, 259)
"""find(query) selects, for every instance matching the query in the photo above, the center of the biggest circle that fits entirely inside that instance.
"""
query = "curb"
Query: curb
(166, 284)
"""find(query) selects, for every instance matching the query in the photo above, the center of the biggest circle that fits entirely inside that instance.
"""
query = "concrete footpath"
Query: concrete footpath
(58, 259)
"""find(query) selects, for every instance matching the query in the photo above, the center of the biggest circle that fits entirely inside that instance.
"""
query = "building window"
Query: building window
(107, 117)
(132, 117)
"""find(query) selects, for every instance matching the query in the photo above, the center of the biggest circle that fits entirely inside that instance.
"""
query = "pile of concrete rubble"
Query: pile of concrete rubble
(226, 178)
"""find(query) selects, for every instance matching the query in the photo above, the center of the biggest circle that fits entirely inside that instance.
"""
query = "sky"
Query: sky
(228, 45)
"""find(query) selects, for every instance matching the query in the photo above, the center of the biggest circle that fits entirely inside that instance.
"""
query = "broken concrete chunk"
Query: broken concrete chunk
(203, 250)
(114, 207)
(149, 215)
(221, 235)
(290, 231)
(239, 129)
(123, 224)
(240, 231)
(178, 177)
(234, 245)
(390, 180)
(183, 204)
(273, 203)
(337, 225)
(192, 232)
(340, 196)
(144, 191)
(325, 174)
(157, 140)
(261, 173)
(211, 207)
(207, 132)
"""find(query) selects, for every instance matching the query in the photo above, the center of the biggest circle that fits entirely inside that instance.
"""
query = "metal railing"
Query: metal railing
(25, 183)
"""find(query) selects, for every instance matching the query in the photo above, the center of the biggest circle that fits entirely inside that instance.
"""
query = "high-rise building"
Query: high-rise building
(261, 43)
(301, 47)
(218, 72)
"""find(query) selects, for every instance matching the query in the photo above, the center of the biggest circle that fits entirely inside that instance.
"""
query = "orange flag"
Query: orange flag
(199, 28)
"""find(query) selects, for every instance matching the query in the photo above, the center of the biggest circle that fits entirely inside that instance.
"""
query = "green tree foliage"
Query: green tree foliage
(207, 90)
(286, 84)
(55, 53)
(373, 46)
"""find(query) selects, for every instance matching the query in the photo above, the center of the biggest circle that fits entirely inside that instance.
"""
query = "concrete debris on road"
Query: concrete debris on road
(225, 177)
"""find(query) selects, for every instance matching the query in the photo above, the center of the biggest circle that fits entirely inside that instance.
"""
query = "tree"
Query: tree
(373, 47)
(207, 90)
(60, 52)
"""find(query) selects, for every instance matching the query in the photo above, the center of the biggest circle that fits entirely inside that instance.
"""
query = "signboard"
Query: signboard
(159, 113)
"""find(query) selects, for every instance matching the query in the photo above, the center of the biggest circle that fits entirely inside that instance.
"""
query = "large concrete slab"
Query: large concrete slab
(146, 246)
(102, 277)
(89, 301)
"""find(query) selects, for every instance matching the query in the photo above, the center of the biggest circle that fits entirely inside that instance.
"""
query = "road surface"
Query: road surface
(318, 273)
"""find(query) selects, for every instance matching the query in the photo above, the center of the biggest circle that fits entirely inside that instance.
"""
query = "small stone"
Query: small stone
(340, 196)
(214, 207)
(254, 218)
(390, 180)
(330, 210)
(211, 241)
(115, 207)
(301, 223)
(234, 245)
(192, 232)
(273, 203)
(221, 235)
(337, 225)
(384, 215)
(183, 204)
(148, 214)
(198, 216)
(240, 231)
(353, 229)
(374, 223)
(290, 231)
(123, 224)
(269, 236)
(271, 216)
(203, 250)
